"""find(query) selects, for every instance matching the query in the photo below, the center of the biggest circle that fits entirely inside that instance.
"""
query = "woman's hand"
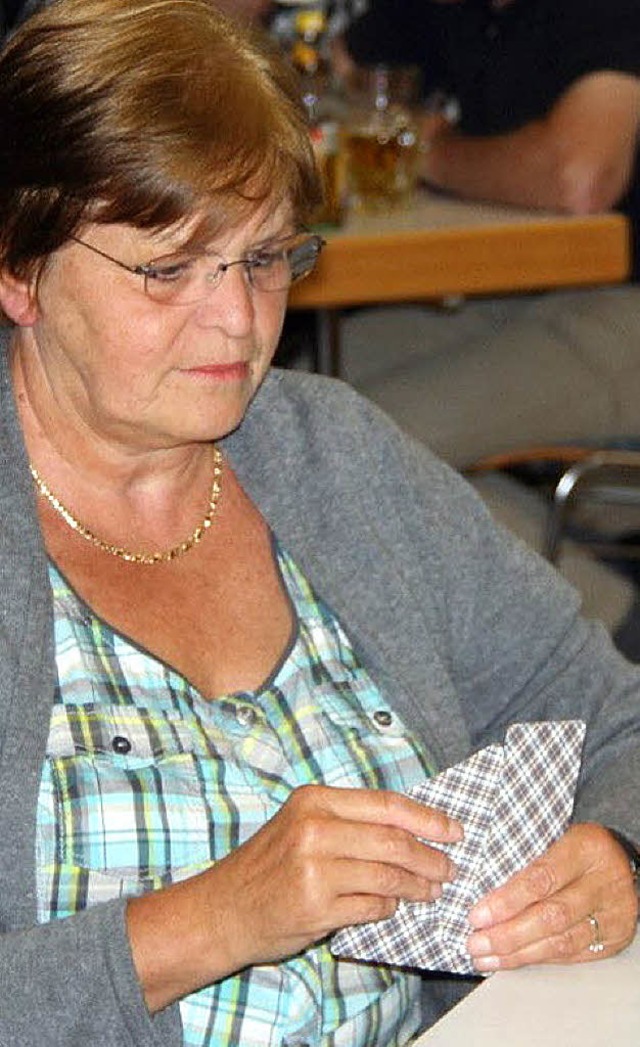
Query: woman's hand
(329, 858)
(544, 914)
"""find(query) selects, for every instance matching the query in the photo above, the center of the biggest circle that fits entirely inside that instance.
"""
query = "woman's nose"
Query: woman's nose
(230, 304)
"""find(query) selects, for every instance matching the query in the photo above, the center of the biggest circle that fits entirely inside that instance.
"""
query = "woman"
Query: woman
(227, 592)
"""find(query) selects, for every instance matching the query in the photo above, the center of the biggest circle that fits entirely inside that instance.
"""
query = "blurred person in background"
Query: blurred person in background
(545, 100)
(241, 612)
(10, 11)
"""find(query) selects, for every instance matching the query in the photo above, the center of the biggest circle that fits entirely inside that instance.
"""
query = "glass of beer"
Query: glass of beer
(381, 140)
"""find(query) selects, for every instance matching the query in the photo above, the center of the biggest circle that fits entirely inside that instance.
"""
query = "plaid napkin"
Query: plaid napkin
(514, 800)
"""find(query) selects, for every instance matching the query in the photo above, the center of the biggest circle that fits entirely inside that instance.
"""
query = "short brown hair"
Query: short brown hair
(146, 112)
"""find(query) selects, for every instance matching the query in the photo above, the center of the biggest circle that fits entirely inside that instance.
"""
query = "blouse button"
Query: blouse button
(121, 745)
(383, 717)
(245, 716)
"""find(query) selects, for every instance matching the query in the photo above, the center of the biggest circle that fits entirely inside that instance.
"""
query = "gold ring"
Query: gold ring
(597, 945)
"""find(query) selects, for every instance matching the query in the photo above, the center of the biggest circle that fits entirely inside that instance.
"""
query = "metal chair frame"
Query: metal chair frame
(601, 478)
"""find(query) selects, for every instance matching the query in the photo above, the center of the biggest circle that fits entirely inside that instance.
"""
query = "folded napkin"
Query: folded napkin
(514, 800)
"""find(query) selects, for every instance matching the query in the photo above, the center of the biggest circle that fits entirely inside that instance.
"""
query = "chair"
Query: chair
(582, 511)
(606, 594)
(598, 500)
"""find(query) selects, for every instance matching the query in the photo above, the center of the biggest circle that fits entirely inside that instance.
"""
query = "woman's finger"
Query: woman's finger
(561, 904)
(583, 849)
(353, 843)
(586, 941)
(376, 807)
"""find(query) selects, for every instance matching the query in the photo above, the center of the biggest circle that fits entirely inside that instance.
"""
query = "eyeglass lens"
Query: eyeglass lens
(188, 277)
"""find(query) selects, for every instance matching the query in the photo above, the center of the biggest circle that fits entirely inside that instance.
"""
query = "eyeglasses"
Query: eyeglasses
(187, 277)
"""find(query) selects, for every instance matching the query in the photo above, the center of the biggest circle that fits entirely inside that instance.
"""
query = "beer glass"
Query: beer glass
(381, 139)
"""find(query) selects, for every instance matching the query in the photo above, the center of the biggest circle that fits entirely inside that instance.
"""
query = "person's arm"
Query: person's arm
(578, 159)
(517, 650)
(108, 974)
(329, 858)
(491, 633)
(72, 981)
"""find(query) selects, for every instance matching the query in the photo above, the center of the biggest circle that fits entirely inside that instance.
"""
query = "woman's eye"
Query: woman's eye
(171, 270)
(264, 259)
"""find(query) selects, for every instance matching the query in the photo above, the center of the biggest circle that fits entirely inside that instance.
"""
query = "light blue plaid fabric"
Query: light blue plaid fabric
(146, 783)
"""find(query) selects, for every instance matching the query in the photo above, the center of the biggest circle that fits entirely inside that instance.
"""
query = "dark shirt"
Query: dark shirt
(505, 67)
(9, 12)
(13, 12)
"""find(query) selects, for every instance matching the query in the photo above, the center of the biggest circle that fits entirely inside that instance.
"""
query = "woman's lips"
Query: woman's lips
(227, 372)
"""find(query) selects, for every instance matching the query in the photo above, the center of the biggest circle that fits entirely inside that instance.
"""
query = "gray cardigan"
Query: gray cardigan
(461, 627)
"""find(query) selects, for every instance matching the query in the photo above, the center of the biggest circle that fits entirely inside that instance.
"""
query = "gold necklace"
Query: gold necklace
(124, 554)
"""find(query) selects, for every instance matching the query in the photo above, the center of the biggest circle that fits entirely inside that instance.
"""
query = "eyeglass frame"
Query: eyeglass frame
(250, 263)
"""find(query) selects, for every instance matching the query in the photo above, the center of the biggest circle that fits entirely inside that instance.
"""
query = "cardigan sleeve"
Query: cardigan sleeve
(71, 983)
(515, 642)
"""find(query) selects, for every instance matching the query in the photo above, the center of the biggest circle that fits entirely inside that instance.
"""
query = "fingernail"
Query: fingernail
(478, 945)
(487, 963)
(456, 832)
(480, 915)
(436, 891)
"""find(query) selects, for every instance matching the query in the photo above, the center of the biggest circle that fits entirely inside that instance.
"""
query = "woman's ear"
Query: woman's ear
(18, 299)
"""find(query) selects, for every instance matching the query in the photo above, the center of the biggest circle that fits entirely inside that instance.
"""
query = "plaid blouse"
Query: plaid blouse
(146, 783)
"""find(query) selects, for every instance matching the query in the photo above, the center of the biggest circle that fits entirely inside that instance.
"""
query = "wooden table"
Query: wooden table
(440, 247)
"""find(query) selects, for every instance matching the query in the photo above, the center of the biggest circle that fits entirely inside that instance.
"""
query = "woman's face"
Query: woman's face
(146, 374)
